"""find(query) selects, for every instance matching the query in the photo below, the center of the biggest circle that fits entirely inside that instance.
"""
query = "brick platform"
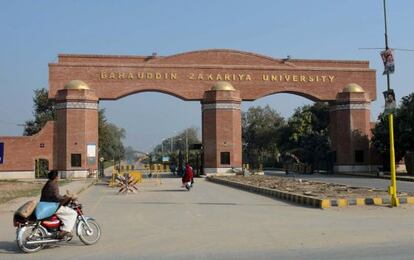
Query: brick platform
(311, 201)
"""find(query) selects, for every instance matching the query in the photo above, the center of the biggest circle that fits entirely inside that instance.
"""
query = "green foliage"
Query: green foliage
(131, 155)
(405, 123)
(110, 139)
(403, 131)
(43, 111)
(266, 135)
(171, 146)
(178, 142)
(306, 134)
(260, 128)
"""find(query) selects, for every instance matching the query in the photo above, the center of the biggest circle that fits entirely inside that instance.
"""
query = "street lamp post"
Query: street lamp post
(392, 190)
(101, 173)
(186, 145)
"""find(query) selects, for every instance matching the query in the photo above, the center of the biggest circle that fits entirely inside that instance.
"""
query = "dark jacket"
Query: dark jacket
(50, 192)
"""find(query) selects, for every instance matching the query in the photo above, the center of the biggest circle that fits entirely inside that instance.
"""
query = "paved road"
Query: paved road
(217, 222)
(404, 186)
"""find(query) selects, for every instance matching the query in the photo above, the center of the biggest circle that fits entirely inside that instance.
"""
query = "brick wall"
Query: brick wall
(20, 152)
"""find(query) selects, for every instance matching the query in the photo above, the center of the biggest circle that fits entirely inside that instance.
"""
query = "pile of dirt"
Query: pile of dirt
(309, 188)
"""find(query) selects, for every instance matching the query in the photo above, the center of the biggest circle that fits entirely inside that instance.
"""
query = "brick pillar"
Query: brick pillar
(77, 130)
(221, 124)
(350, 130)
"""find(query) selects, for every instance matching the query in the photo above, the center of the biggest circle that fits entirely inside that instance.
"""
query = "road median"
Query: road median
(313, 201)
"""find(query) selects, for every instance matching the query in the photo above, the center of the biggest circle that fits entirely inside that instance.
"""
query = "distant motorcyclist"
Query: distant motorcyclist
(50, 193)
(187, 178)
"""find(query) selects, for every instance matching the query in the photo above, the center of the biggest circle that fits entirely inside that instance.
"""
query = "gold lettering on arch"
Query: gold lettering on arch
(294, 78)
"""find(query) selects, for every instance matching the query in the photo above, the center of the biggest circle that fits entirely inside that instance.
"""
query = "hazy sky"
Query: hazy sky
(32, 33)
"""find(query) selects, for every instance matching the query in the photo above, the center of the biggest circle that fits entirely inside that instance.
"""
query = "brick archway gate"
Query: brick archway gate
(348, 86)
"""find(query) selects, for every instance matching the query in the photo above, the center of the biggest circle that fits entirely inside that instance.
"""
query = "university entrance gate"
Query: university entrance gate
(220, 80)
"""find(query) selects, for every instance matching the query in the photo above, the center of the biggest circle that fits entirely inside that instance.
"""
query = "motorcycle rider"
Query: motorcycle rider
(50, 193)
(187, 178)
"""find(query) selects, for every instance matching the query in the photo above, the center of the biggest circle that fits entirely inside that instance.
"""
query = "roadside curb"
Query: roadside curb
(311, 201)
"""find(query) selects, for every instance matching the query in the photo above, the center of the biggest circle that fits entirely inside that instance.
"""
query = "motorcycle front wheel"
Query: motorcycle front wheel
(86, 235)
(30, 233)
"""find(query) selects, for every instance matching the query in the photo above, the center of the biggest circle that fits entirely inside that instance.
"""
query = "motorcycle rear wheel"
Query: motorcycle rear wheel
(86, 236)
(28, 231)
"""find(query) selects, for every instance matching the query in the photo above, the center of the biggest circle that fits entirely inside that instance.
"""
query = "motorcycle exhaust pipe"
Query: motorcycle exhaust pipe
(42, 241)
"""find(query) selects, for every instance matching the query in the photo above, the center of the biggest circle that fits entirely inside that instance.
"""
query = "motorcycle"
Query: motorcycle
(33, 234)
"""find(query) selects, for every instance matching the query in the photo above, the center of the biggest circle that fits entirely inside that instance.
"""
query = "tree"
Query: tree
(405, 124)
(403, 131)
(43, 111)
(131, 154)
(259, 133)
(306, 134)
(110, 139)
(189, 135)
(178, 144)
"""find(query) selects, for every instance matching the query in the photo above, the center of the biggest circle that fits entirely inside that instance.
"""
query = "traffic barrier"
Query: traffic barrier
(136, 175)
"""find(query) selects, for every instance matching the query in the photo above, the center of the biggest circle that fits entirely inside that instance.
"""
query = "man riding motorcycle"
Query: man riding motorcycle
(188, 176)
(50, 193)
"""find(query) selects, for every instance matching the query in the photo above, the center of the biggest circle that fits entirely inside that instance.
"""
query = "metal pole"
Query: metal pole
(392, 190)
(186, 145)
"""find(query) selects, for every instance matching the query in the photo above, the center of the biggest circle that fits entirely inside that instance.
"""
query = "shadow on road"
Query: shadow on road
(167, 190)
(9, 247)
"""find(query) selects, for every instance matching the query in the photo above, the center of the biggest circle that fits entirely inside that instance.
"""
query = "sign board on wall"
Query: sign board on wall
(1, 153)
(91, 153)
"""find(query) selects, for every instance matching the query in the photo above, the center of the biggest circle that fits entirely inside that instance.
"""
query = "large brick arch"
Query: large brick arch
(71, 143)
(311, 96)
(170, 93)
(189, 75)
(242, 76)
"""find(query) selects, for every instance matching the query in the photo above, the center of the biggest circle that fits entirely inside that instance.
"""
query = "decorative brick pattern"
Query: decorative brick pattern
(76, 105)
(350, 107)
(221, 106)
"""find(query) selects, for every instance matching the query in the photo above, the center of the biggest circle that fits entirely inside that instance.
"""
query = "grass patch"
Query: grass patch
(7, 196)
(9, 180)
(13, 190)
